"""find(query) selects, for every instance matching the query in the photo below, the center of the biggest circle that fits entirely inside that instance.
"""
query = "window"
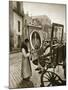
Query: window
(18, 26)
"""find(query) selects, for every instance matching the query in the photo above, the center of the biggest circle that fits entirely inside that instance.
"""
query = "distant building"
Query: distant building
(45, 22)
(16, 24)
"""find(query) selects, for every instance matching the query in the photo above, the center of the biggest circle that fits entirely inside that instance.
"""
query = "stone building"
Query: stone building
(16, 24)
(30, 25)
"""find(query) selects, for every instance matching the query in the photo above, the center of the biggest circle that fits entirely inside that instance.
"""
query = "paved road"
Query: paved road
(15, 73)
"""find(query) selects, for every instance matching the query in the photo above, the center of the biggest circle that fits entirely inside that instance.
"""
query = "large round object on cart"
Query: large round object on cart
(36, 43)
(35, 40)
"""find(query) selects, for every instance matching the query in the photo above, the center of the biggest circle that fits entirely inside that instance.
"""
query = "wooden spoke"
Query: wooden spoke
(49, 84)
(46, 77)
(50, 74)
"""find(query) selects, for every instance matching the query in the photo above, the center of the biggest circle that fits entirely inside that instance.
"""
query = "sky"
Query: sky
(56, 12)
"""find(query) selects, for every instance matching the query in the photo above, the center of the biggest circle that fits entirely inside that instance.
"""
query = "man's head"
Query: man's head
(26, 40)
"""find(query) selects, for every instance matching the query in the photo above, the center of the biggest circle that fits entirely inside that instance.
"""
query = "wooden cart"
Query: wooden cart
(56, 56)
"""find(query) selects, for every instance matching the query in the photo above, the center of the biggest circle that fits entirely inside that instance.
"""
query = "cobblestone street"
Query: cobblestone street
(15, 73)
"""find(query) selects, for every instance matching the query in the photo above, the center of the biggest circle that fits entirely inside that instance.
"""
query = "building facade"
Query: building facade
(42, 24)
(30, 25)
(16, 24)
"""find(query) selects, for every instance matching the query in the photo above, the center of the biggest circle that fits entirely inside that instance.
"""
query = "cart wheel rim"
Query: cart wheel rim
(49, 78)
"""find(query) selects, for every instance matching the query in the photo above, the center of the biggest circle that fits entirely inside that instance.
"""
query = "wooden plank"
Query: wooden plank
(15, 72)
(13, 81)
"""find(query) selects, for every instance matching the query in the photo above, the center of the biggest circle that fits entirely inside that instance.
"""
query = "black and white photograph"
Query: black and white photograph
(37, 44)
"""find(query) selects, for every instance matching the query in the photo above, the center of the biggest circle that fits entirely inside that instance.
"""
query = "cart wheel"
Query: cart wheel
(49, 78)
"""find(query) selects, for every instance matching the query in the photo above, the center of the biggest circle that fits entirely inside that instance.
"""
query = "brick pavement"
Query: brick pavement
(15, 72)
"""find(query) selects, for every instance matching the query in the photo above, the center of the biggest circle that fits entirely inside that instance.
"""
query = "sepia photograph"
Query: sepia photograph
(37, 44)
